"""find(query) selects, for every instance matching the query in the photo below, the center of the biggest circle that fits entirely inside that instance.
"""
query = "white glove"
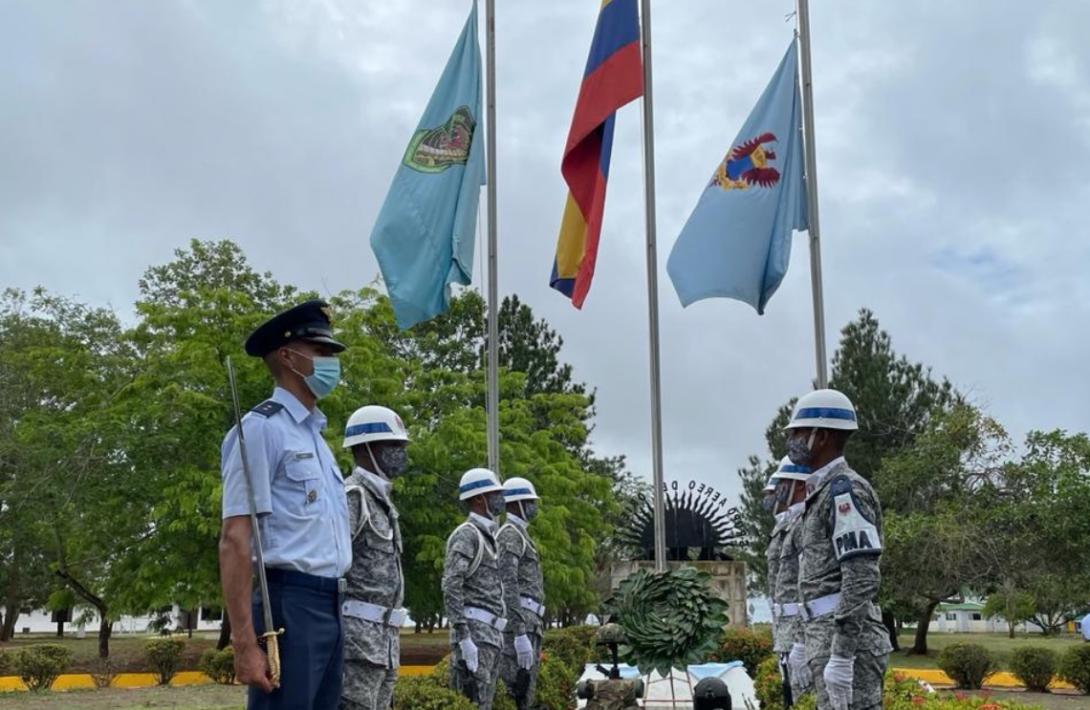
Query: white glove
(525, 651)
(800, 670)
(469, 654)
(839, 673)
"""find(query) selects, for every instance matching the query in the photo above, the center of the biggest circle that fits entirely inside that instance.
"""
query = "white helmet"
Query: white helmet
(477, 481)
(516, 489)
(374, 423)
(790, 472)
(824, 409)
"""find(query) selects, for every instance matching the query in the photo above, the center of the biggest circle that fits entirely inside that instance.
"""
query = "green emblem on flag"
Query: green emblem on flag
(436, 149)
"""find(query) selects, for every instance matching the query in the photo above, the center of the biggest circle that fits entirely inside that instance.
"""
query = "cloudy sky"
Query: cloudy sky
(952, 138)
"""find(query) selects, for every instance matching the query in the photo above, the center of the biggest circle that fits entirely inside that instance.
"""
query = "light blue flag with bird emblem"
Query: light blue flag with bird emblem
(424, 235)
(737, 242)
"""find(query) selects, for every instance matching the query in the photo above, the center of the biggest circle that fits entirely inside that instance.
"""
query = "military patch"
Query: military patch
(853, 533)
(267, 408)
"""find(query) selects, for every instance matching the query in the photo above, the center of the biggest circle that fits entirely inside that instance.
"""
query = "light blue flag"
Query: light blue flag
(424, 235)
(737, 241)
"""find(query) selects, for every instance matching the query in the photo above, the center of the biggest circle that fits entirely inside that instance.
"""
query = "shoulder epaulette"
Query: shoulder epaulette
(267, 408)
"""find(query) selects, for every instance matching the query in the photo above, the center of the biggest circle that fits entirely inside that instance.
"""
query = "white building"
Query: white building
(41, 622)
(968, 618)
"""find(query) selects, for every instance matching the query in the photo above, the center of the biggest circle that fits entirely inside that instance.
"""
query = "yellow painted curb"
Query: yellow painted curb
(81, 681)
(999, 680)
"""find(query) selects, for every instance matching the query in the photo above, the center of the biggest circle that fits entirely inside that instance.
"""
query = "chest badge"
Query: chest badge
(312, 496)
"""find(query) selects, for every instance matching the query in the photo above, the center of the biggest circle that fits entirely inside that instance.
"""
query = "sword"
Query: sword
(271, 643)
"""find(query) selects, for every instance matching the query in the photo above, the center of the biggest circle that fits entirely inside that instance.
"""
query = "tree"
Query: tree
(1012, 607)
(936, 540)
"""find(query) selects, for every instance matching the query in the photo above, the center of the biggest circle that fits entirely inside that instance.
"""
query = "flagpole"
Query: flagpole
(811, 192)
(652, 286)
(493, 404)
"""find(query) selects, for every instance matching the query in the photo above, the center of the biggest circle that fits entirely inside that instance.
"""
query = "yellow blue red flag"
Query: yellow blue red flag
(613, 77)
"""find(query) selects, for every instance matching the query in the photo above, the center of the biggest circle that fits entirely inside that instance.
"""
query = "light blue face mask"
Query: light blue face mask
(326, 375)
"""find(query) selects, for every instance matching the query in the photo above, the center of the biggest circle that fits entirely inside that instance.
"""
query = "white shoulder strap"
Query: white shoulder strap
(517, 532)
(479, 555)
(365, 512)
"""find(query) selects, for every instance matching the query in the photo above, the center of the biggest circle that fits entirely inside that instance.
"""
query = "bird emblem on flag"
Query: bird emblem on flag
(747, 165)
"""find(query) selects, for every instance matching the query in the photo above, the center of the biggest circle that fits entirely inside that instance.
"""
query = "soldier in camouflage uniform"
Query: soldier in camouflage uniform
(840, 537)
(473, 590)
(376, 588)
(523, 591)
(783, 572)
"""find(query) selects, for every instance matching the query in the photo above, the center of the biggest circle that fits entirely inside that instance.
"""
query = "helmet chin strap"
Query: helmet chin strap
(377, 469)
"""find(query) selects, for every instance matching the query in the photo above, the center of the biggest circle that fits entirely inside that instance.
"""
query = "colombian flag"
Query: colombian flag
(613, 77)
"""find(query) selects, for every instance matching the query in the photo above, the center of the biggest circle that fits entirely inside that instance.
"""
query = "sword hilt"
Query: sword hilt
(272, 650)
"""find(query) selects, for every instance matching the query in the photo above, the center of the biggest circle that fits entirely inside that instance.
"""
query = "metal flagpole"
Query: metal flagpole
(652, 286)
(493, 404)
(811, 192)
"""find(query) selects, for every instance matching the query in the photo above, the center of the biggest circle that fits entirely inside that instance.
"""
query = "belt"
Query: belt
(532, 605)
(822, 606)
(785, 611)
(486, 617)
(293, 578)
(374, 612)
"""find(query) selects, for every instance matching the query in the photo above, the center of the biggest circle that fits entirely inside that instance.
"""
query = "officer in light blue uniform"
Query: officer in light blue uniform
(303, 515)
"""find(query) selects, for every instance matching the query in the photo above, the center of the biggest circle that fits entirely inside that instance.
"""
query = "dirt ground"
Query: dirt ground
(204, 697)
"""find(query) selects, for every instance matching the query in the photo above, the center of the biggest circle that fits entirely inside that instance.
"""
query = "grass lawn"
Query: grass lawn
(998, 644)
(220, 697)
(127, 651)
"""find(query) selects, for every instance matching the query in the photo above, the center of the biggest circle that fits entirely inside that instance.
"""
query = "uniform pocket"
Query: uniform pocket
(302, 486)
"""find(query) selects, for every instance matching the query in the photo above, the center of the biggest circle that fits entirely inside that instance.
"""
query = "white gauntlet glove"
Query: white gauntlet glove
(525, 651)
(839, 673)
(801, 677)
(469, 654)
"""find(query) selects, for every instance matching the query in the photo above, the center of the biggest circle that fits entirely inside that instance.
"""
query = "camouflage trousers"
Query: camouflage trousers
(869, 675)
(509, 667)
(488, 667)
(367, 686)
(613, 695)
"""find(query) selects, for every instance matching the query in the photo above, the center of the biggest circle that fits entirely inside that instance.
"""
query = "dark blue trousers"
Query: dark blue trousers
(308, 608)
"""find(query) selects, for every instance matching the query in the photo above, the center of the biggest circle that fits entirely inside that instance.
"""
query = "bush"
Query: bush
(1034, 666)
(40, 666)
(424, 693)
(749, 647)
(218, 665)
(574, 646)
(103, 672)
(5, 663)
(1075, 667)
(440, 678)
(967, 664)
(767, 684)
(164, 657)
(555, 685)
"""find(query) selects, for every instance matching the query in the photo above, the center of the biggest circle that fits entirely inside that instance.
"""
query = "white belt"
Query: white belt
(374, 612)
(819, 607)
(533, 606)
(785, 611)
(486, 617)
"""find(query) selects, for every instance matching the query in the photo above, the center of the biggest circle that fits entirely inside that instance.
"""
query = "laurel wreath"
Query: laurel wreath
(672, 619)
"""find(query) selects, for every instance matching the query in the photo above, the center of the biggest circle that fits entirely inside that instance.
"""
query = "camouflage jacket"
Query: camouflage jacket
(840, 539)
(772, 556)
(787, 582)
(375, 576)
(471, 577)
(520, 568)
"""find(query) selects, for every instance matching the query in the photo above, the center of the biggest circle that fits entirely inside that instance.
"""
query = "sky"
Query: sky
(952, 140)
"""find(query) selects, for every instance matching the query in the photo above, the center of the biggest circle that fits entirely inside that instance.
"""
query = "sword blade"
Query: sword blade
(259, 555)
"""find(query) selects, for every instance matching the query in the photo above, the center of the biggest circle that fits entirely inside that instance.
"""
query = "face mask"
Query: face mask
(529, 510)
(326, 375)
(801, 452)
(496, 504)
(391, 461)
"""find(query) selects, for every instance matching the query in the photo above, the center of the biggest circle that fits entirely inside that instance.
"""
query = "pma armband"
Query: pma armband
(854, 533)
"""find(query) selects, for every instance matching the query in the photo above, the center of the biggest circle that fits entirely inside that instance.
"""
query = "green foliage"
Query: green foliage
(967, 664)
(767, 684)
(424, 693)
(573, 646)
(6, 663)
(1034, 666)
(556, 684)
(672, 619)
(39, 666)
(1014, 607)
(1075, 667)
(164, 656)
(752, 648)
(218, 665)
